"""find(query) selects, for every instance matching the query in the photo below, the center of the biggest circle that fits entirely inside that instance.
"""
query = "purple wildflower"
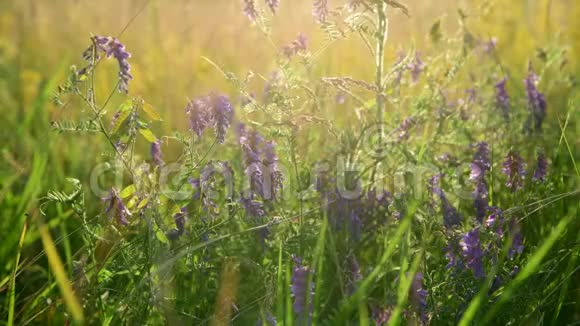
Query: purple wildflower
(276, 178)
(114, 48)
(156, 154)
(480, 163)
(536, 100)
(299, 45)
(418, 296)
(116, 208)
(222, 115)
(199, 114)
(434, 185)
(211, 110)
(416, 67)
(541, 168)
(517, 245)
(355, 225)
(253, 208)
(354, 274)
(451, 217)
(299, 287)
(451, 256)
(480, 202)
(515, 170)
(196, 185)
(273, 5)
(471, 250)
(404, 127)
(400, 70)
(250, 9)
(495, 220)
(502, 98)
(320, 10)
(251, 143)
(381, 316)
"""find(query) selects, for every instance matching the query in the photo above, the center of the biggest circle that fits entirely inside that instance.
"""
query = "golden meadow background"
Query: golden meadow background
(40, 39)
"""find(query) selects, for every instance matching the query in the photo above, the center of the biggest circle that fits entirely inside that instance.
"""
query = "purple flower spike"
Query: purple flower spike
(382, 315)
(222, 116)
(416, 67)
(451, 217)
(253, 208)
(536, 100)
(211, 110)
(481, 162)
(502, 99)
(418, 296)
(250, 10)
(480, 202)
(199, 114)
(156, 154)
(451, 256)
(517, 245)
(116, 208)
(471, 249)
(300, 45)
(114, 48)
(320, 10)
(276, 178)
(273, 5)
(299, 287)
(515, 170)
(495, 220)
(541, 168)
(434, 185)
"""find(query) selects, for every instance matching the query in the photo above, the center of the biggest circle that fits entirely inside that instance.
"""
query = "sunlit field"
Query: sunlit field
(278, 162)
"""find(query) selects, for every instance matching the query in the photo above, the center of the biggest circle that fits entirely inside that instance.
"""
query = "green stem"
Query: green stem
(379, 62)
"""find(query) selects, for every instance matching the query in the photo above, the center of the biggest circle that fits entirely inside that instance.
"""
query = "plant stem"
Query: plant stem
(379, 62)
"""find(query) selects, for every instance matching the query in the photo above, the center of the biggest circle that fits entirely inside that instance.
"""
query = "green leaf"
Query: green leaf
(160, 235)
(148, 134)
(151, 113)
(122, 115)
(143, 203)
(128, 191)
(132, 202)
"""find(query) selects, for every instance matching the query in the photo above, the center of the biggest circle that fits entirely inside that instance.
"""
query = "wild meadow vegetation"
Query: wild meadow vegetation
(312, 162)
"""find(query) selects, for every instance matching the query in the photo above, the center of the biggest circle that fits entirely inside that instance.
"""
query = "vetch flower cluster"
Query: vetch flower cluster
(213, 110)
(502, 99)
(299, 288)
(299, 45)
(471, 250)
(116, 208)
(536, 100)
(515, 170)
(112, 47)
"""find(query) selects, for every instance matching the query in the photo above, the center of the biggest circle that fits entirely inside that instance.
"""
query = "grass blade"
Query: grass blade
(12, 302)
(62, 280)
